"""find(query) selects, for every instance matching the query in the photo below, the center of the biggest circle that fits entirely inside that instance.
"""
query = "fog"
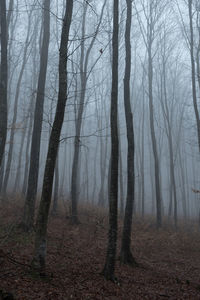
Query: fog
(172, 103)
(99, 149)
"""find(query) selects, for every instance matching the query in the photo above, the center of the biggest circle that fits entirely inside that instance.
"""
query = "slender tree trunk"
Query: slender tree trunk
(86, 183)
(183, 185)
(153, 139)
(56, 189)
(168, 126)
(194, 93)
(95, 175)
(2, 172)
(102, 199)
(109, 267)
(3, 79)
(29, 206)
(170, 198)
(173, 181)
(43, 213)
(11, 30)
(142, 153)
(19, 171)
(63, 172)
(126, 256)
(121, 202)
(27, 160)
(83, 77)
(74, 186)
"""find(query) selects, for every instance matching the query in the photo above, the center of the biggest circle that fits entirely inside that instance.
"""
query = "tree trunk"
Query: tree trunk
(2, 172)
(121, 195)
(126, 256)
(109, 267)
(56, 189)
(168, 125)
(83, 77)
(27, 160)
(19, 171)
(153, 139)
(102, 199)
(43, 213)
(142, 150)
(3, 79)
(194, 93)
(29, 206)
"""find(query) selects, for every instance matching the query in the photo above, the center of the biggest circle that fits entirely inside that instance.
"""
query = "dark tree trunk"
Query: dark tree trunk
(121, 195)
(154, 145)
(29, 207)
(194, 93)
(168, 126)
(2, 172)
(142, 153)
(109, 267)
(62, 179)
(170, 198)
(183, 176)
(153, 135)
(18, 171)
(56, 189)
(126, 256)
(94, 176)
(102, 199)
(43, 213)
(27, 160)
(3, 79)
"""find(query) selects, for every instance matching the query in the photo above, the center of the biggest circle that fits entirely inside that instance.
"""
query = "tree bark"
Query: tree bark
(194, 93)
(152, 128)
(56, 188)
(3, 79)
(43, 213)
(18, 171)
(27, 158)
(168, 121)
(29, 206)
(142, 151)
(126, 256)
(121, 195)
(109, 267)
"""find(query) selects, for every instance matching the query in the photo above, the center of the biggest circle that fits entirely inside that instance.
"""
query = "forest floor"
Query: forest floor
(169, 260)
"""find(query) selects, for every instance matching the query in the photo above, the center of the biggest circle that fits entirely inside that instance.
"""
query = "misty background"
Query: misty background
(172, 102)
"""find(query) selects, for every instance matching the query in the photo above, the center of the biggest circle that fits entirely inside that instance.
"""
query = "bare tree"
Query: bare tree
(193, 71)
(126, 255)
(43, 213)
(152, 14)
(84, 75)
(109, 267)
(3, 79)
(29, 206)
